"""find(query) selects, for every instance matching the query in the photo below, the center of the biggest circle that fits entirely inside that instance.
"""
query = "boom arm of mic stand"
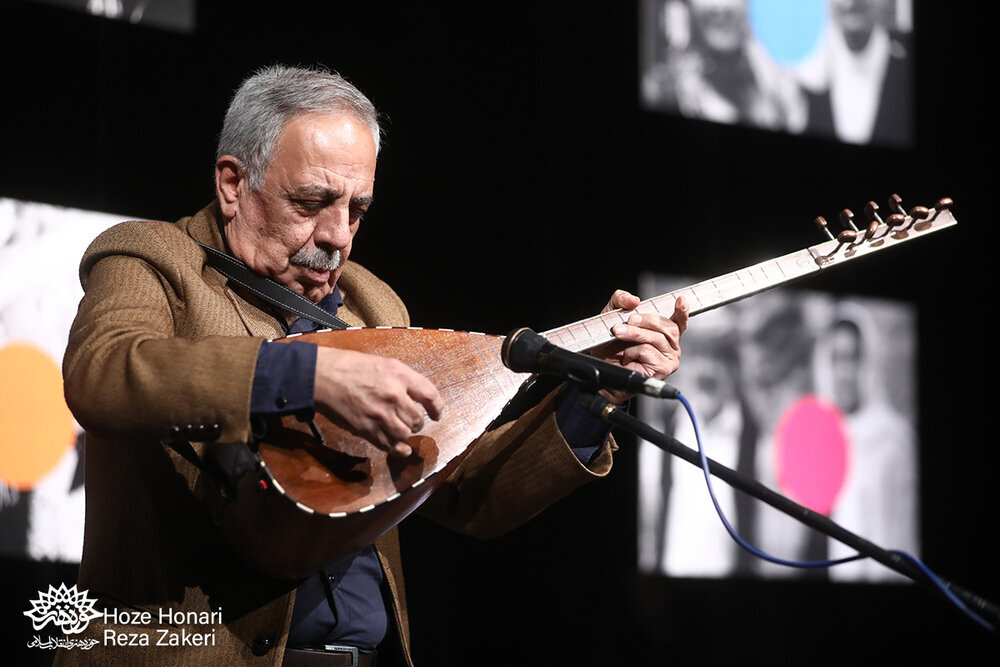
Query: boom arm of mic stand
(610, 413)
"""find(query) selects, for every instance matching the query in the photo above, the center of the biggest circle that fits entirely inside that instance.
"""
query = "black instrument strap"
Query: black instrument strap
(269, 290)
(272, 292)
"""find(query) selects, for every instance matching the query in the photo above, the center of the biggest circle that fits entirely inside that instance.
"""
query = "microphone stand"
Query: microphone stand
(612, 414)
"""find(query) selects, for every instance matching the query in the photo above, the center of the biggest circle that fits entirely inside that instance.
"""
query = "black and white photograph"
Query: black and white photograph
(172, 15)
(797, 371)
(840, 69)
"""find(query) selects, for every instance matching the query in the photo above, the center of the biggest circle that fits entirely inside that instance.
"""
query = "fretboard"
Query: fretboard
(588, 333)
(703, 296)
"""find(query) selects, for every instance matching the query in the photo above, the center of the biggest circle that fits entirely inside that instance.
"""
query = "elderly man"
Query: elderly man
(164, 346)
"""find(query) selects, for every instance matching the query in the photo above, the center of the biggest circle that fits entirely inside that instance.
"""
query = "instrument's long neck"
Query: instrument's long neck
(848, 245)
(593, 331)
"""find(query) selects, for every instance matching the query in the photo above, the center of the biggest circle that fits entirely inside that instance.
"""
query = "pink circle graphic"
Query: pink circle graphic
(812, 453)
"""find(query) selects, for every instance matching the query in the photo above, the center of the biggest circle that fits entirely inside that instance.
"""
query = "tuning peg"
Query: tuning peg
(844, 238)
(847, 219)
(821, 225)
(847, 237)
(895, 220)
(916, 213)
(872, 228)
(896, 204)
(942, 204)
(875, 220)
(871, 211)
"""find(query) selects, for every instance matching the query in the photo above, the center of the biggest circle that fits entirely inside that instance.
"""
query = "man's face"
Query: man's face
(857, 19)
(722, 23)
(300, 227)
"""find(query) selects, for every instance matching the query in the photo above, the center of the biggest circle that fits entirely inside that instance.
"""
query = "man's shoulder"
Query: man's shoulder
(136, 236)
(368, 296)
(154, 241)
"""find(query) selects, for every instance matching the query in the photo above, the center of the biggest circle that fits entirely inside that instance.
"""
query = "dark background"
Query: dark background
(519, 184)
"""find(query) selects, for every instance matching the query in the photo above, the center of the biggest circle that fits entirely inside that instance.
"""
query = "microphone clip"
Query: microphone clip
(525, 351)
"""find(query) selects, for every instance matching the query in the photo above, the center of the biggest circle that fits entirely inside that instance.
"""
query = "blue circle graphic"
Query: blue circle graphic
(788, 29)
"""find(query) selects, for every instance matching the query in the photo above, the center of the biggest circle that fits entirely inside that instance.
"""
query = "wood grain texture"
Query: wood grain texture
(313, 499)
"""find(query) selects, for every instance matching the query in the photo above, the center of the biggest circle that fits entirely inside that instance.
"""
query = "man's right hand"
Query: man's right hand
(383, 400)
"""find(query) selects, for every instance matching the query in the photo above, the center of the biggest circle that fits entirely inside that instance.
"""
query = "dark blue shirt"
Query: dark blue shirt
(343, 604)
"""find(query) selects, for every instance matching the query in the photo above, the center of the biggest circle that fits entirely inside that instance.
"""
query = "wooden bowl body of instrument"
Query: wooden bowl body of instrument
(305, 498)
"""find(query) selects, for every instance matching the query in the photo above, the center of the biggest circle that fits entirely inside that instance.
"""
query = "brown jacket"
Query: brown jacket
(162, 342)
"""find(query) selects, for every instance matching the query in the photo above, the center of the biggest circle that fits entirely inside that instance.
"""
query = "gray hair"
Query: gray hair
(271, 97)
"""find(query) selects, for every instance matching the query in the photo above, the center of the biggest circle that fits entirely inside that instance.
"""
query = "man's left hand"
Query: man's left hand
(646, 342)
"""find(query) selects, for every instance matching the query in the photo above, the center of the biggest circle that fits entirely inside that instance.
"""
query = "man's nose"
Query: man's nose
(333, 228)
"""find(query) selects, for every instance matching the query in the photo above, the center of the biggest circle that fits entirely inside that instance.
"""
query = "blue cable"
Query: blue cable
(725, 522)
(936, 581)
(933, 578)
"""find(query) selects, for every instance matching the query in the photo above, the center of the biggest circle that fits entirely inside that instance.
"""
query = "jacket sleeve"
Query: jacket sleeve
(133, 366)
(512, 473)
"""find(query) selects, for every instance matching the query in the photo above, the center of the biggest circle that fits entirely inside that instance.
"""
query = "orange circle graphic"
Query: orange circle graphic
(36, 427)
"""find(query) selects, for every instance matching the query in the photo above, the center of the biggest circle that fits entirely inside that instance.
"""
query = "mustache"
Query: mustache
(317, 259)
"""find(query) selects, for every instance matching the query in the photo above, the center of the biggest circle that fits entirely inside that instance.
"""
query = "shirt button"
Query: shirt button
(281, 401)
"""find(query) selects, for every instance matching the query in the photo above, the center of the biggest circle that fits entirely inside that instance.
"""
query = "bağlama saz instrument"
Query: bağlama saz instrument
(310, 492)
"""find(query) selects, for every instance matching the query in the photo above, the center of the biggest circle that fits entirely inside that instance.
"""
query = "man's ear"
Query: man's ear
(228, 174)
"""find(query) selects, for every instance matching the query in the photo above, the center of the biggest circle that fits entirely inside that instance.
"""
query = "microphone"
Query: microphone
(524, 351)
